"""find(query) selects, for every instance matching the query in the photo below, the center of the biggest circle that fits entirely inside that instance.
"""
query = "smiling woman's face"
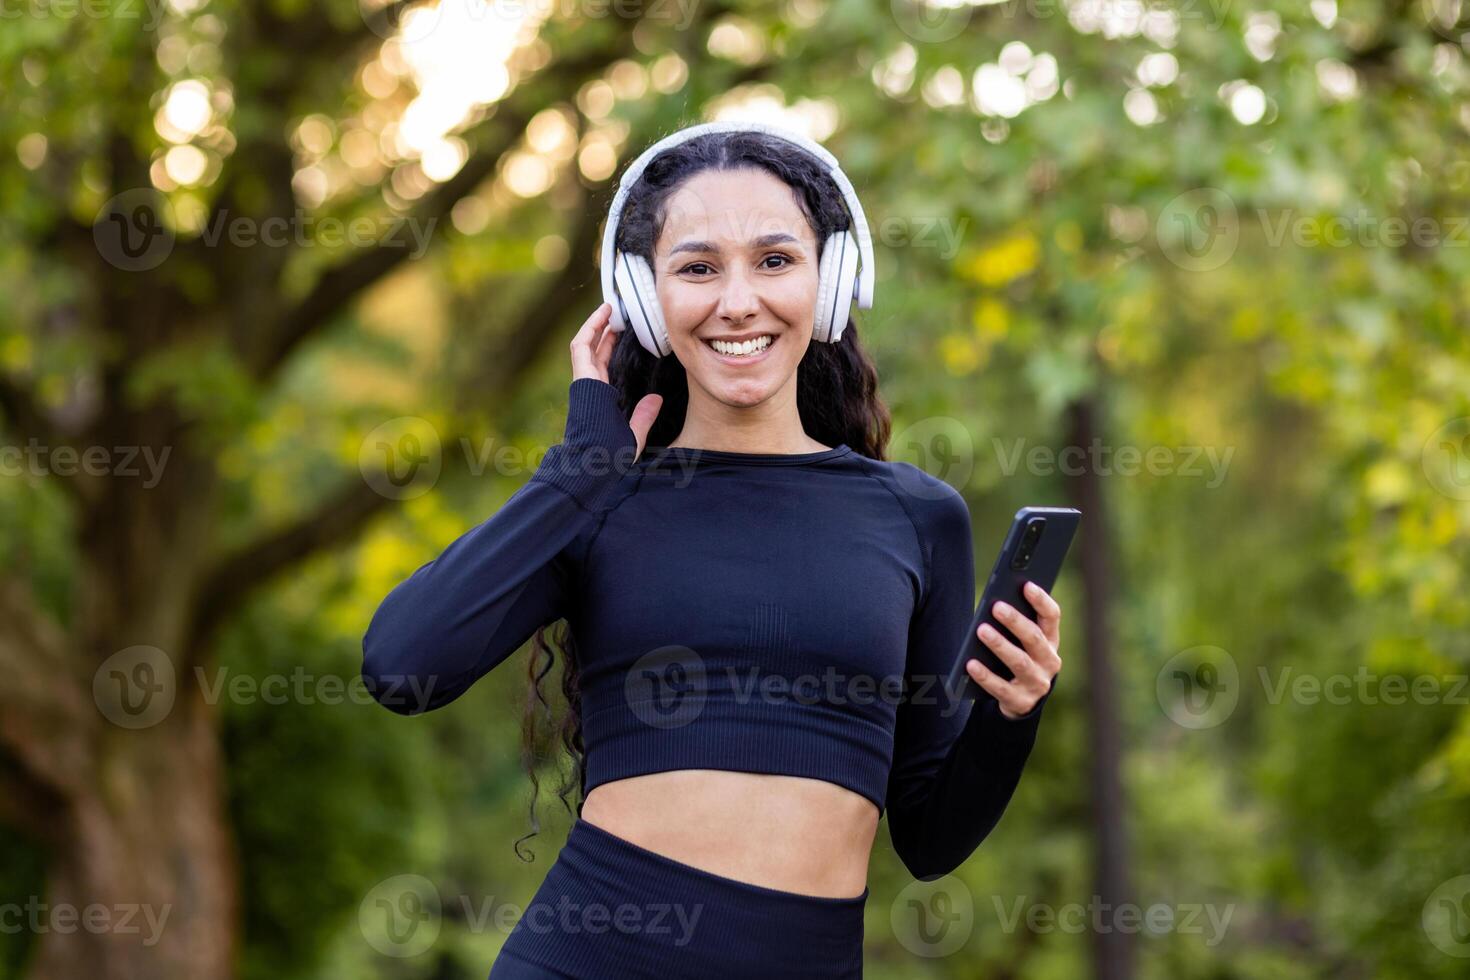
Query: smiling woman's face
(737, 261)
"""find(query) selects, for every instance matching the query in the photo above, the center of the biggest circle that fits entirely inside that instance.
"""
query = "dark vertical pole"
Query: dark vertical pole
(1113, 949)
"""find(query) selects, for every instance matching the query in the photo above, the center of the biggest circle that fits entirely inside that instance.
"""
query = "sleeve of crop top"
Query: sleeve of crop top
(955, 763)
(464, 612)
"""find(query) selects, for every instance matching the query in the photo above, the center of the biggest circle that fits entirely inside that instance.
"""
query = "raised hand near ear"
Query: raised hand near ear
(592, 350)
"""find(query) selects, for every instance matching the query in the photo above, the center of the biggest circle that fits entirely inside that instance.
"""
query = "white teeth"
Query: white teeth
(754, 346)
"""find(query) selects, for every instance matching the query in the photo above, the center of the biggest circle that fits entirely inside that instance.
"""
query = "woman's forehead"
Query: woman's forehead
(741, 209)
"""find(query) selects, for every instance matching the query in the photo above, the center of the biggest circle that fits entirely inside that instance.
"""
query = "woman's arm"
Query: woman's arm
(955, 763)
(466, 611)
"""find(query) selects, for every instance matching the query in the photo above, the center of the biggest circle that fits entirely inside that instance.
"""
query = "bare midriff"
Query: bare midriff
(792, 833)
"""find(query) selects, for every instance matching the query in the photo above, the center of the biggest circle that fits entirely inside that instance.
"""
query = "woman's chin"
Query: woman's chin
(740, 392)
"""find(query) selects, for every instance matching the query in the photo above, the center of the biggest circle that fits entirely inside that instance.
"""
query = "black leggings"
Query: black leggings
(612, 910)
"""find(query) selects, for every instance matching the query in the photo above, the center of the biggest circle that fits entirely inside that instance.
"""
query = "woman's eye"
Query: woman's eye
(696, 267)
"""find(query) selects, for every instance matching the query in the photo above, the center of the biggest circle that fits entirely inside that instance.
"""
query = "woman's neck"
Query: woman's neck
(764, 428)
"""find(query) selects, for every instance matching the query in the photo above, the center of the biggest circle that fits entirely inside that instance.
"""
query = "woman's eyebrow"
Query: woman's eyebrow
(765, 241)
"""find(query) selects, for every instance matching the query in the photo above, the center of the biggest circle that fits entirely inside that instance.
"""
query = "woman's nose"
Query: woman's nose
(738, 300)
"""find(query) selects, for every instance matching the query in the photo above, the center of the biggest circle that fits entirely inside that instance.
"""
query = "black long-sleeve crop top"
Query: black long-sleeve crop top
(787, 614)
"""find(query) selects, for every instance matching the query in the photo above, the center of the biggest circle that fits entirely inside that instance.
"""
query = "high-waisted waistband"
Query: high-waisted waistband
(612, 909)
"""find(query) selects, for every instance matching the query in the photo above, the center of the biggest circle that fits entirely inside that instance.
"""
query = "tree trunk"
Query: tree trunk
(143, 880)
(148, 854)
(1113, 949)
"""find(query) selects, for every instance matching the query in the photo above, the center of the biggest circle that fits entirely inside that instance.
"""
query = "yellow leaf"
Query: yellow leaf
(1444, 523)
(959, 354)
(1387, 482)
(15, 352)
(1247, 323)
(1006, 260)
(992, 319)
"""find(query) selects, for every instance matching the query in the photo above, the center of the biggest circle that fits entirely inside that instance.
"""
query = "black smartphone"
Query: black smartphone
(1034, 550)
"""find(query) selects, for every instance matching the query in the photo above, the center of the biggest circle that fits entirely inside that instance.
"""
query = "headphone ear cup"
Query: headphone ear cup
(826, 280)
(648, 292)
(838, 278)
(640, 304)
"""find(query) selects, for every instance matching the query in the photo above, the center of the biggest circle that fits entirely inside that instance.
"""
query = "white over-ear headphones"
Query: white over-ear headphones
(628, 283)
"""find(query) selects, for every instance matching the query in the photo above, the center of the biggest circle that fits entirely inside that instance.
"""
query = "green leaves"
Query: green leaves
(207, 383)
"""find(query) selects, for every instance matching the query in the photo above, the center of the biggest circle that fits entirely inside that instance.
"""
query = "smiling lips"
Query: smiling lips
(750, 350)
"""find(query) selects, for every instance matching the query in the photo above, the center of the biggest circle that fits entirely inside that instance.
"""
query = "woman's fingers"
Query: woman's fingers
(1005, 692)
(592, 350)
(642, 420)
(1022, 665)
(1048, 613)
(1024, 629)
(585, 359)
(988, 679)
(606, 341)
(1034, 666)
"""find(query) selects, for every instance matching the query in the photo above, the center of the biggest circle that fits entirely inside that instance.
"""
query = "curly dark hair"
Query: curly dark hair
(836, 384)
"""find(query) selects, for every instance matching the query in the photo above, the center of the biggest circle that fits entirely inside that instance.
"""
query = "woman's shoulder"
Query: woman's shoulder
(934, 505)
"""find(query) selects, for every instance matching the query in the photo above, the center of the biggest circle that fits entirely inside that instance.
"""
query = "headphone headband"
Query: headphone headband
(863, 292)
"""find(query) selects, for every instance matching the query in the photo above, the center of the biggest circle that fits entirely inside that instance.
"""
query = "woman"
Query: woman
(764, 610)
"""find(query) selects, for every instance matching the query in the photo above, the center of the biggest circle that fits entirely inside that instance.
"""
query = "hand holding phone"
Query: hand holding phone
(1034, 550)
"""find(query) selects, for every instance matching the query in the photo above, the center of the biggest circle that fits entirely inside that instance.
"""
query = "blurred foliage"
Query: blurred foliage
(1322, 370)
